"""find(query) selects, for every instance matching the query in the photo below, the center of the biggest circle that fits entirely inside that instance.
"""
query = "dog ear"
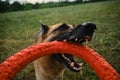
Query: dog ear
(43, 30)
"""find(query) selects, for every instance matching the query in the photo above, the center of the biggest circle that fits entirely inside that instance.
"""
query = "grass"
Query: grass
(18, 31)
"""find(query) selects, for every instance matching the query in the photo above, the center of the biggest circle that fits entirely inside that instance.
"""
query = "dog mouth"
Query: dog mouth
(68, 59)
(79, 40)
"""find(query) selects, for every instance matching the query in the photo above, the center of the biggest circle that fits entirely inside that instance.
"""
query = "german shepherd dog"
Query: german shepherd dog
(52, 67)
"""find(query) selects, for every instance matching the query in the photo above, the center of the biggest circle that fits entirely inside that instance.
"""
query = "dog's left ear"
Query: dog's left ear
(44, 29)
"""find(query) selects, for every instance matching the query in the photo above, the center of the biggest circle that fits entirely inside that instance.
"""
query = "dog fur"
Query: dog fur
(47, 67)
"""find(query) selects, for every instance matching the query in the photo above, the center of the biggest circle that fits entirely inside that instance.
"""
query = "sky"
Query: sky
(34, 1)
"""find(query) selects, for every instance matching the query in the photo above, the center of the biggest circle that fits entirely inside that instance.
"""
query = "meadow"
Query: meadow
(18, 31)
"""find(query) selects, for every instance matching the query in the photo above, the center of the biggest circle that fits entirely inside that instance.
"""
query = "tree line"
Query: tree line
(5, 6)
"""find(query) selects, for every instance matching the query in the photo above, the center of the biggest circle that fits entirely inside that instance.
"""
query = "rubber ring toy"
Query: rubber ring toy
(11, 66)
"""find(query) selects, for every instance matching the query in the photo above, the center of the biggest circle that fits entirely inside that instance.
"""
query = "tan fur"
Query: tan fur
(47, 68)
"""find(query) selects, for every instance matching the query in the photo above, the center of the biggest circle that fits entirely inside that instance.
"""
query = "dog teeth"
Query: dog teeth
(65, 40)
(80, 64)
(77, 68)
(72, 64)
(66, 58)
(76, 39)
(86, 40)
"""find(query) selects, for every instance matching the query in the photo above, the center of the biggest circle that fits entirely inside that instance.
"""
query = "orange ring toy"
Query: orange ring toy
(10, 67)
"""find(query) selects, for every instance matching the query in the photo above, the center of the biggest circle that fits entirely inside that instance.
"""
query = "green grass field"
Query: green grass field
(18, 31)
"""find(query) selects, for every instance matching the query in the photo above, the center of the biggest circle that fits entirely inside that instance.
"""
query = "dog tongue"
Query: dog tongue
(69, 62)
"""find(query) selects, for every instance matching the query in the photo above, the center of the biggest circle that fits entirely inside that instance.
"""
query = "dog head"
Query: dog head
(64, 32)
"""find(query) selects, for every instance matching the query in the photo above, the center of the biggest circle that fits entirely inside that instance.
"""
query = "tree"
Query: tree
(36, 5)
(79, 1)
(4, 6)
(66, 1)
(16, 6)
(28, 6)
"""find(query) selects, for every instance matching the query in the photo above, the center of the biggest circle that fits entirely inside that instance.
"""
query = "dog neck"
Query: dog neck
(48, 68)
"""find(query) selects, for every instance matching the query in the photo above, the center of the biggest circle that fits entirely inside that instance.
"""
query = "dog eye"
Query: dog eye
(62, 27)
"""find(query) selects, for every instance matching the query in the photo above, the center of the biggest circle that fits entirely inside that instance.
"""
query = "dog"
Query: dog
(52, 67)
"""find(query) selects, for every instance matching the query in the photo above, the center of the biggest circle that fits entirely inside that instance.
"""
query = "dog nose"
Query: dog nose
(89, 24)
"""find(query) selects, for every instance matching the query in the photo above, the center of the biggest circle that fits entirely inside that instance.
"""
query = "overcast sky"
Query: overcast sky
(34, 1)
